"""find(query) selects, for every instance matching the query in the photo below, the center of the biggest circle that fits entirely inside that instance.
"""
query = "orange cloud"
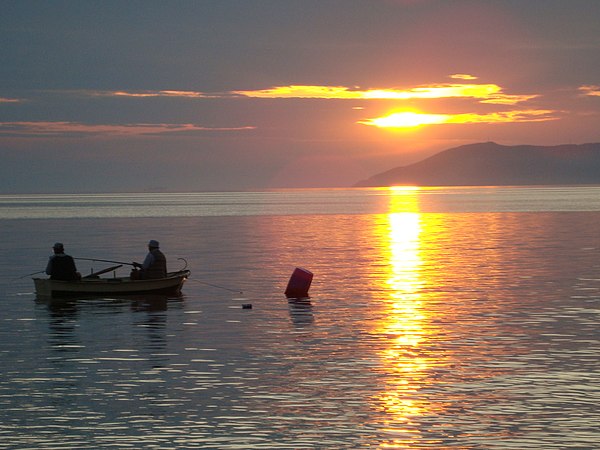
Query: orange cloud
(529, 115)
(74, 129)
(591, 91)
(10, 100)
(485, 93)
(463, 76)
(304, 91)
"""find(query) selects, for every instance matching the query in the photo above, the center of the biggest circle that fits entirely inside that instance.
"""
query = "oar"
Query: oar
(100, 272)
(106, 260)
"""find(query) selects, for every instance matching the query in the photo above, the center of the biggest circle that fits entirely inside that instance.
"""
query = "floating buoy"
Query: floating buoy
(299, 283)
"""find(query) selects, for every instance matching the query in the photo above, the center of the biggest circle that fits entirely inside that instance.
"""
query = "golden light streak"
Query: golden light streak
(413, 119)
(408, 320)
(404, 320)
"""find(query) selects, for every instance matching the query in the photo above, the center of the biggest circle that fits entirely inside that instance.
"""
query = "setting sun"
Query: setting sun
(406, 120)
(413, 119)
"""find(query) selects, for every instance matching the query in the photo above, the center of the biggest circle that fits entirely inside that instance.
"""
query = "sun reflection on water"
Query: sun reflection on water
(406, 320)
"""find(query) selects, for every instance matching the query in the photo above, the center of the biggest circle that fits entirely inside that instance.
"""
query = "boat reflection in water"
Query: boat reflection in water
(406, 325)
(137, 302)
(70, 318)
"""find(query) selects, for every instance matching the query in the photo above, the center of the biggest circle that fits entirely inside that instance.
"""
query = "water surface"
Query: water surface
(445, 318)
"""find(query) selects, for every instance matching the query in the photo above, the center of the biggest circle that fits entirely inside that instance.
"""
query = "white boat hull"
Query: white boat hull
(172, 283)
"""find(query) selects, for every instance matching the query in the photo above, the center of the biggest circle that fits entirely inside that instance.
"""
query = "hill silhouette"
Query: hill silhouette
(491, 164)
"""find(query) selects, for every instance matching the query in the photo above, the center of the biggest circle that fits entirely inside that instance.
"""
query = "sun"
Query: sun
(405, 120)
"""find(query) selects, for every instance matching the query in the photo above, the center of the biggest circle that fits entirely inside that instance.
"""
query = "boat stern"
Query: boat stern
(43, 287)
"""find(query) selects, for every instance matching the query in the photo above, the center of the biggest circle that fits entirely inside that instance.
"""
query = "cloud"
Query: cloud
(530, 115)
(164, 93)
(484, 93)
(304, 91)
(463, 76)
(413, 119)
(10, 100)
(75, 129)
(462, 87)
(590, 91)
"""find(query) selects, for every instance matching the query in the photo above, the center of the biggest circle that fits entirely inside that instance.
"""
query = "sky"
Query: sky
(227, 95)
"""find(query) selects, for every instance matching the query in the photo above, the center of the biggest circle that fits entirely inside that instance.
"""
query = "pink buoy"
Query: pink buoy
(299, 283)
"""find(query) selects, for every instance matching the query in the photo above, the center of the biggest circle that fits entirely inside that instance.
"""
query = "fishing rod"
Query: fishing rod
(29, 274)
(237, 291)
(106, 260)
(120, 262)
(84, 259)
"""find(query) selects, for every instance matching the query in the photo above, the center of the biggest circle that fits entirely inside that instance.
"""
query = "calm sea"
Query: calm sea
(461, 318)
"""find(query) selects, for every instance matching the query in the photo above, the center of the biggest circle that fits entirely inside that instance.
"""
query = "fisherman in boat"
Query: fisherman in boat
(154, 265)
(61, 266)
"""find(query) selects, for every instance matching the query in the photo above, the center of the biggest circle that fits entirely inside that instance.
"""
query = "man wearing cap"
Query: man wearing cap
(155, 264)
(61, 266)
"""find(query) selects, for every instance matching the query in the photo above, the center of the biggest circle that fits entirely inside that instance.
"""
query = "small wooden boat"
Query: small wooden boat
(171, 284)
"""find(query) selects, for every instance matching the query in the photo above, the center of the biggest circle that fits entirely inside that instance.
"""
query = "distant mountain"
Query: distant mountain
(491, 164)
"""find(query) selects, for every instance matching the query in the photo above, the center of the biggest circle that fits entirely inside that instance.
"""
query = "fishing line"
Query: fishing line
(237, 291)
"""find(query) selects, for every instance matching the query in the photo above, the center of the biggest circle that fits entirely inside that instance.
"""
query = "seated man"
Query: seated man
(154, 265)
(61, 266)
